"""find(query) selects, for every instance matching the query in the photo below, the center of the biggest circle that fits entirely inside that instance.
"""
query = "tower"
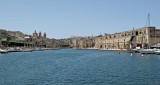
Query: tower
(45, 35)
(40, 34)
(35, 35)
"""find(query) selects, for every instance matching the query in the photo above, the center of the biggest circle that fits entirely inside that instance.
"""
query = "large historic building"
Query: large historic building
(38, 36)
(142, 37)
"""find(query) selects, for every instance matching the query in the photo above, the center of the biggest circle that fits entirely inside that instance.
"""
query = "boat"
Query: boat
(132, 51)
(27, 50)
(3, 51)
(157, 51)
(38, 49)
(148, 51)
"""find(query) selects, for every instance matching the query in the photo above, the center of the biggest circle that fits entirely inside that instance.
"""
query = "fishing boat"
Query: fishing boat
(3, 51)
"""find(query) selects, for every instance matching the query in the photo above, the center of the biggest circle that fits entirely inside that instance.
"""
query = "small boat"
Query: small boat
(38, 49)
(157, 52)
(148, 51)
(132, 51)
(3, 51)
(27, 50)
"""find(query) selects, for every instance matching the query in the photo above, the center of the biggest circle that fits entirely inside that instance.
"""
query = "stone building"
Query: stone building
(45, 35)
(142, 37)
(87, 42)
(40, 34)
(35, 35)
(39, 40)
(82, 42)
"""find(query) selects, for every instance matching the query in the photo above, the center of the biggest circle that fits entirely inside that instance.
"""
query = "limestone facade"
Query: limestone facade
(82, 42)
(129, 39)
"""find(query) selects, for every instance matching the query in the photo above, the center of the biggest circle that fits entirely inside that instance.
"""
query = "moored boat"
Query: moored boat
(38, 49)
(3, 51)
(27, 50)
(132, 51)
(148, 51)
(157, 52)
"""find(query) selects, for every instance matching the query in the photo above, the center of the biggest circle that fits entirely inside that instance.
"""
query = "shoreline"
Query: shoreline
(103, 49)
(30, 50)
(50, 48)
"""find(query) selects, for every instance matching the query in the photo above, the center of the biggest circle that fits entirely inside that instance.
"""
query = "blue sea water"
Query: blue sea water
(79, 67)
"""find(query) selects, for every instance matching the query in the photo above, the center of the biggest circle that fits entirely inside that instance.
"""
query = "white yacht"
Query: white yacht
(3, 51)
(157, 51)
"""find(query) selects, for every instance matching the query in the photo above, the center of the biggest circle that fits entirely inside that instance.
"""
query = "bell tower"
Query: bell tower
(45, 35)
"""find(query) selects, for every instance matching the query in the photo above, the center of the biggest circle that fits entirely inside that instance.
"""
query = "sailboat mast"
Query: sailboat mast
(149, 31)
(148, 20)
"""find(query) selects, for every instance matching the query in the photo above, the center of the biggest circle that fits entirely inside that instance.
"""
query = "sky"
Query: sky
(65, 18)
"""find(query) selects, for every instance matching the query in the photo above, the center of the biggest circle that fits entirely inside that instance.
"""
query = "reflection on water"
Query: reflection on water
(78, 67)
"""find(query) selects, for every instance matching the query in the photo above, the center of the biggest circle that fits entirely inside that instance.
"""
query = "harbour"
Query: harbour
(77, 67)
(79, 42)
